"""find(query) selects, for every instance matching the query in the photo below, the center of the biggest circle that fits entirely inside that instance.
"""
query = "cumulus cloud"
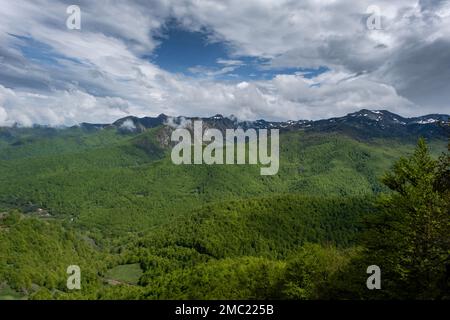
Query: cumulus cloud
(178, 122)
(128, 125)
(51, 75)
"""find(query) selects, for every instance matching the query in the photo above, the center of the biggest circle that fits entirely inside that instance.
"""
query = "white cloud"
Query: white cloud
(3, 116)
(128, 125)
(101, 75)
(229, 62)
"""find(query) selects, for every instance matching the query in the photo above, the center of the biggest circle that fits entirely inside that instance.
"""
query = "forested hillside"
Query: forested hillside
(113, 203)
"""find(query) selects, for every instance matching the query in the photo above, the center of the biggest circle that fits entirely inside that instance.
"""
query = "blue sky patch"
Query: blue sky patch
(39, 52)
(192, 53)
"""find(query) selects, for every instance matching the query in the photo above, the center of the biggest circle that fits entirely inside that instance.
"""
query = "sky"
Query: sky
(254, 59)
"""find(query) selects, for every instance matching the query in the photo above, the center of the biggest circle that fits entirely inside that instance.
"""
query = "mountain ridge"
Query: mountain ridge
(363, 123)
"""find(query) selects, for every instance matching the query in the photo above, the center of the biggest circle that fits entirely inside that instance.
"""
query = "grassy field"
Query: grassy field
(128, 273)
(6, 293)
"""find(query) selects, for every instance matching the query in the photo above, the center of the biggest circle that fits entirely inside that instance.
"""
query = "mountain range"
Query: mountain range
(363, 124)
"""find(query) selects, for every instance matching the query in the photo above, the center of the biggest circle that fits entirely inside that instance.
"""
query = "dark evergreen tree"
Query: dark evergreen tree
(410, 238)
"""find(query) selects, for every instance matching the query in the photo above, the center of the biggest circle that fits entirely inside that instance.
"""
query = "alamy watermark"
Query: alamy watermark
(73, 21)
(74, 279)
(373, 22)
(192, 150)
(374, 280)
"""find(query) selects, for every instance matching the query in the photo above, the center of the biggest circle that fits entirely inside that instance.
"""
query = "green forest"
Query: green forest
(140, 227)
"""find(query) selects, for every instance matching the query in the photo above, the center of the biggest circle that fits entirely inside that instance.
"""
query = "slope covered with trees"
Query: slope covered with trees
(113, 203)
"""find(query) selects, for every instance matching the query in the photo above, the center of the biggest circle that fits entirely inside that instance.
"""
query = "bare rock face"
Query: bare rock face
(163, 136)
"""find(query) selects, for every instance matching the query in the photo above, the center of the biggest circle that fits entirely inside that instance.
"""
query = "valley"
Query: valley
(105, 198)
